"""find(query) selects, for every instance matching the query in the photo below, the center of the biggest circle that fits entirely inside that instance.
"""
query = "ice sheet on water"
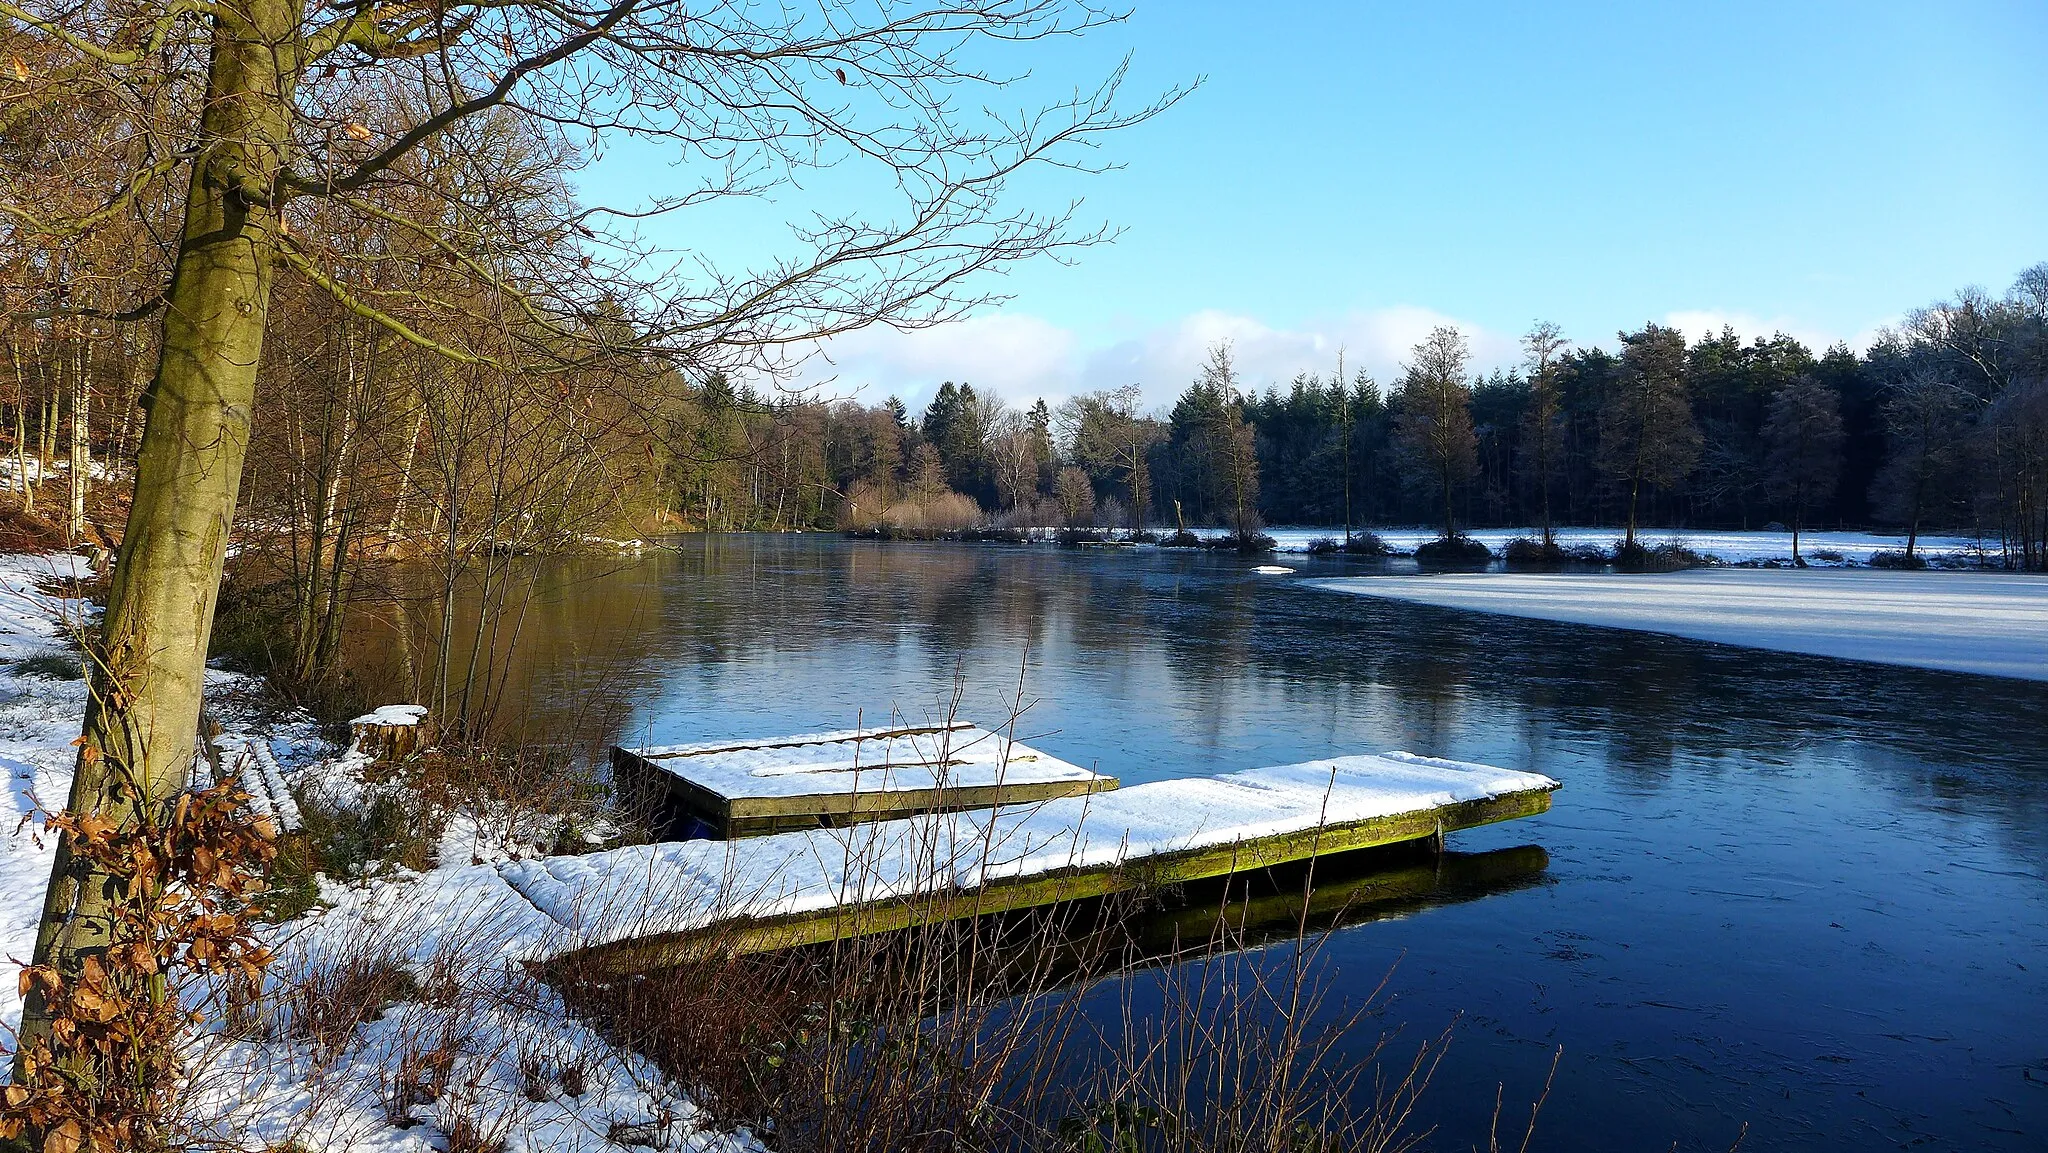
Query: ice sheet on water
(1989, 623)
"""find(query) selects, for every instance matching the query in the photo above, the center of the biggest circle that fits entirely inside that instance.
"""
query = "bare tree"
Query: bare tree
(1014, 449)
(1107, 434)
(1923, 416)
(1803, 449)
(1435, 425)
(2014, 452)
(246, 119)
(1076, 497)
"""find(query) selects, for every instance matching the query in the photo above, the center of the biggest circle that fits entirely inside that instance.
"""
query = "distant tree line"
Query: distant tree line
(1941, 425)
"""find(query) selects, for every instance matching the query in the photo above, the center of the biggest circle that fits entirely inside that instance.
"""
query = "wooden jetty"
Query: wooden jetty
(733, 789)
(638, 908)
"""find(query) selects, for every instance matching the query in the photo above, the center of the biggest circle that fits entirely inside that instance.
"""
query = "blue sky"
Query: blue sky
(1353, 173)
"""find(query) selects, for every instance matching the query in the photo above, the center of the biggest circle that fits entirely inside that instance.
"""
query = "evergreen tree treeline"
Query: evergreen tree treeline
(1941, 425)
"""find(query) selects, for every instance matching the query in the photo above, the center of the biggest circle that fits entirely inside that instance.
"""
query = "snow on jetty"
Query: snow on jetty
(748, 788)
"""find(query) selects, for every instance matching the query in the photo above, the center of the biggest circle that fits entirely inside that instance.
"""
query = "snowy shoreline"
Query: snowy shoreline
(286, 1092)
(1991, 624)
(1728, 547)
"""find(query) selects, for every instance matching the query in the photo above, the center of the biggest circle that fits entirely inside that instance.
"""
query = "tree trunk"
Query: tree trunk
(1450, 522)
(28, 494)
(148, 664)
(81, 446)
(46, 432)
(412, 447)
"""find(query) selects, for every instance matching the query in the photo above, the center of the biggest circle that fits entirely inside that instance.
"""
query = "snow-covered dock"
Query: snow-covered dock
(639, 907)
(778, 784)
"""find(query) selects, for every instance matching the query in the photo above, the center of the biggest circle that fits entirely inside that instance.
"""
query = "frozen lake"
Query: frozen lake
(1787, 891)
(1995, 624)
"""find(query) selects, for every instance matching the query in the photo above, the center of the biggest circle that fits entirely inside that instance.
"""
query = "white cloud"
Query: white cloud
(1013, 353)
(1023, 357)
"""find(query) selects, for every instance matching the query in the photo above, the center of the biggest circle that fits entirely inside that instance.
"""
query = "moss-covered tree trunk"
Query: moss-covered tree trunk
(149, 661)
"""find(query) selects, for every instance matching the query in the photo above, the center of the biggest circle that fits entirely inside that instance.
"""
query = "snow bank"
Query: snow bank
(1995, 624)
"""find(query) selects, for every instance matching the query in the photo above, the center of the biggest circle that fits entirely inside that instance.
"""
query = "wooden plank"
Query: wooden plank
(1052, 887)
(909, 802)
(798, 742)
(714, 795)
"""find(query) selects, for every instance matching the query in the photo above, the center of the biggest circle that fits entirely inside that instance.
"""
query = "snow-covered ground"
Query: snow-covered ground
(1970, 622)
(12, 471)
(514, 1041)
(39, 717)
(1728, 547)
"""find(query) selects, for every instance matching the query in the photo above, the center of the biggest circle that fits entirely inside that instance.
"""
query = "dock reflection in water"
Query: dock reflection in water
(1335, 893)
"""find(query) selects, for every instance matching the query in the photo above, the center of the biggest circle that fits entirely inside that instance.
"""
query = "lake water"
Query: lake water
(1799, 894)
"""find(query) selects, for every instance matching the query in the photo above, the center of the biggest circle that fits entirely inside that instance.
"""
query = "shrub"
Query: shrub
(51, 666)
(26, 532)
(1368, 544)
(1181, 538)
(943, 512)
(108, 1073)
(1667, 557)
(1528, 552)
(1360, 544)
(866, 501)
(323, 1005)
(1253, 541)
(392, 824)
(1457, 550)
(1831, 556)
(1894, 559)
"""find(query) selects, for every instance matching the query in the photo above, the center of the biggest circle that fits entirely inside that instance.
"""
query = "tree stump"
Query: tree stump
(393, 732)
